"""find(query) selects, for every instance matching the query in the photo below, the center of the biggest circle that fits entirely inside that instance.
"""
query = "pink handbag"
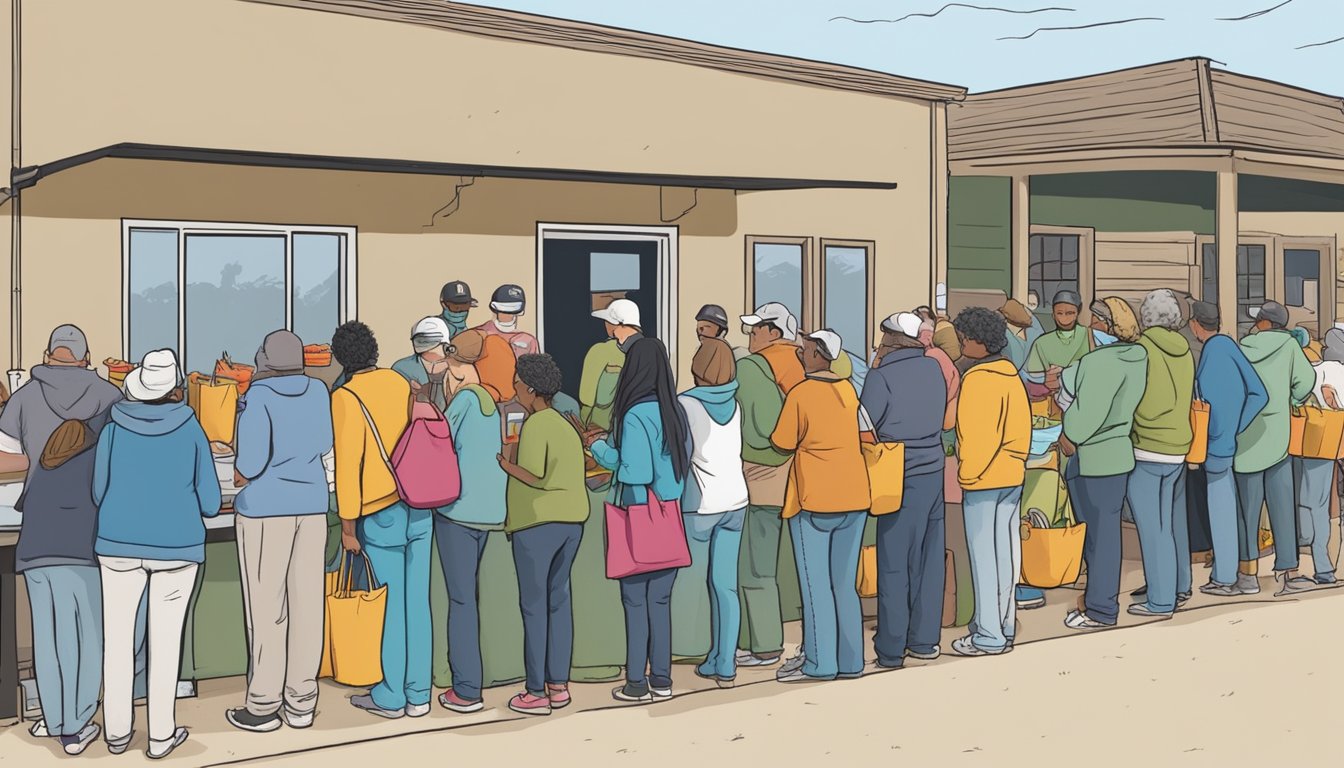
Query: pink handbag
(424, 462)
(645, 538)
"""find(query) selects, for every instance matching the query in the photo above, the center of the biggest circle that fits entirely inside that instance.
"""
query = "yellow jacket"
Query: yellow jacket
(364, 484)
(820, 425)
(993, 427)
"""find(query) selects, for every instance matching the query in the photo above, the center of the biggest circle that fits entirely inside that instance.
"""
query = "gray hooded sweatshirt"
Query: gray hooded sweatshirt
(60, 520)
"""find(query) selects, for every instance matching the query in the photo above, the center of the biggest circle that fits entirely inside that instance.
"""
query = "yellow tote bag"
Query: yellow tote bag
(215, 402)
(868, 572)
(354, 627)
(886, 476)
(1052, 557)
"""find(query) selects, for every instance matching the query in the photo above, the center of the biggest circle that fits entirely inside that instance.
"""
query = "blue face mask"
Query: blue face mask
(457, 321)
(1102, 338)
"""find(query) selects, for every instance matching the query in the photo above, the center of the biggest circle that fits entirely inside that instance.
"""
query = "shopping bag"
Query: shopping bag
(1321, 433)
(354, 626)
(1199, 425)
(886, 476)
(236, 372)
(644, 538)
(1052, 557)
(867, 582)
(215, 402)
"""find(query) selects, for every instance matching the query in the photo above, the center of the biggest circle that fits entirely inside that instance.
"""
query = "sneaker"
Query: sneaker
(964, 646)
(1293, 585)
(161, 749)
(297, 722)
(527, 704)
(39, 730)
(1029, 598)
(632, 694)
(794, 664)
(1183, 597)
(661, 692)
(365, 702)
(1220, 590)
(118, 746)
(1080, 621)
(1326, 579)
(933, 655)
(75, 745)
(1140, 592)
(749, 659)
(849, 675)
(417, 710)
(797, 676)
(244, 720)
(1247, 584)
(722, 682)
(1142, 609)
(558, 694)
(450, 701)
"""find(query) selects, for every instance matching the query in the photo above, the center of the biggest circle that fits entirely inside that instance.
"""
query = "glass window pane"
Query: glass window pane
(614, 272)
(846, 299)
(1069, 271)
(778, 275)
(153, 298)
(1256, 258)
(1052, 248)
(1257, 288)
(1035, 249)
(1051, 270)
(235, 296)
(1070, 248)
(317, 286)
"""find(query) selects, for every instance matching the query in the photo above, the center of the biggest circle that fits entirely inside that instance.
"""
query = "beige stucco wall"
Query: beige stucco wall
(1306, 225)
(223, 74)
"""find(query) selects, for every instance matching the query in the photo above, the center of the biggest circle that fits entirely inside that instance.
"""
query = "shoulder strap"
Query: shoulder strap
(377, 438)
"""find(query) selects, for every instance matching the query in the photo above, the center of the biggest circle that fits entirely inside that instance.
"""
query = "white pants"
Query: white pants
(170, 584)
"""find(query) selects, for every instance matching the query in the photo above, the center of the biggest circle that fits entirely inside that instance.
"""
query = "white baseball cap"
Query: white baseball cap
(620, 312)
(829, 341)
(155, 378)
(777, 315)
(432, 328)
(904, 323)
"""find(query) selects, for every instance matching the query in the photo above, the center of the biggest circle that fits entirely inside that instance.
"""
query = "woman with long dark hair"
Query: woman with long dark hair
(648, 450)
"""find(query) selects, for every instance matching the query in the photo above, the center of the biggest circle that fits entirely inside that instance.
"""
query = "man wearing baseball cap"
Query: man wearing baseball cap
(456, 300)
(905, 396)
(1264, 471)
(427, 367)
(711, 322)
(508, 303)
(764, 377)
(602, 365)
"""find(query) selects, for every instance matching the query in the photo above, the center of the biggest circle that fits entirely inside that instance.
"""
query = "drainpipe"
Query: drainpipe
(16, 211)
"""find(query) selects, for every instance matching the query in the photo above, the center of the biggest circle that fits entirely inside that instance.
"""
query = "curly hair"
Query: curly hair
(354, 346)
(541, 374)
(984, 326)
(1161, 309)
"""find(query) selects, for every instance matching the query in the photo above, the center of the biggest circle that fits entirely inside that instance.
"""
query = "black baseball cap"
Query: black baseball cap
(456, 292)
(713, 313)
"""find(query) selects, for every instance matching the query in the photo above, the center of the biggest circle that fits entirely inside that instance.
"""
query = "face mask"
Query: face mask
(1102, 338)
(455, 319)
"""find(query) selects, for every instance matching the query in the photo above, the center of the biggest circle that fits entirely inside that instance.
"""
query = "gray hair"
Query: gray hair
(1161, 309)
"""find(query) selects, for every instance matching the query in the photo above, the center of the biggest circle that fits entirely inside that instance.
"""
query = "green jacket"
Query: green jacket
(1162, 420)
(1106, 385)
(1289, 379)
(761, 401)
(597, 385)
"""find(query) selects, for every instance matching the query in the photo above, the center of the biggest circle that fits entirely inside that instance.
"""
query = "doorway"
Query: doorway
(582, 269)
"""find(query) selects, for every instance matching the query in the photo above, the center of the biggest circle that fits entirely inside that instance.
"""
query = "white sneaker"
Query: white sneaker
(75, 745)
(417, 710)
(792, 665)
(39, 730)
(749, 659)
(161, 749)
(1082, 622)
(297, 722)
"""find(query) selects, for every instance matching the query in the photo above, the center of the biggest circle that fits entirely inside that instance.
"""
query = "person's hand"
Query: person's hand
(238, 480)
(592, 437)
(350, 543)
(1065, 446)
(415, 388)
(504, 462)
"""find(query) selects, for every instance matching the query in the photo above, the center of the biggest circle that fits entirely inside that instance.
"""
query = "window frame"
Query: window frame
(346, 276)
(811, 302)
(870, 285)
(1087, 259)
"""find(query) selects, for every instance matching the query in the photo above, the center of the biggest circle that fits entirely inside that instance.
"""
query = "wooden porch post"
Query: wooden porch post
(1226, 235)
(1021, 236)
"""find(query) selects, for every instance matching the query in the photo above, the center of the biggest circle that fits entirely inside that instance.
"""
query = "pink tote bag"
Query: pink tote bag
(645, 538)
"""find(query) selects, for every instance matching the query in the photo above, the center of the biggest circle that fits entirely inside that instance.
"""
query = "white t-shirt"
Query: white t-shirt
(716, 460)
(1331, 373)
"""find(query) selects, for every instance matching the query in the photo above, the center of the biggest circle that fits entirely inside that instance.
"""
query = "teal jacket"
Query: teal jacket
(1107, 386)
(643, 459)
(477, 436)
(1289, 380)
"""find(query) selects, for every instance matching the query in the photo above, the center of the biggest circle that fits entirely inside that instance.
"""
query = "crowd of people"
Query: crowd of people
(766, 438)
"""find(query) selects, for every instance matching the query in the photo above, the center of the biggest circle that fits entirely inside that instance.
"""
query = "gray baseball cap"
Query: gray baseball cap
(1273, 311)
(71, 338)
(1204, 313)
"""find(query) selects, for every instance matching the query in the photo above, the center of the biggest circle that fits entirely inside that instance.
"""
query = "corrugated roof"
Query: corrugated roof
(1176, 104)
(564, 33)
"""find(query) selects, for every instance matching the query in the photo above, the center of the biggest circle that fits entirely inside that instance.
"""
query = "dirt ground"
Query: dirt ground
(1224, 683)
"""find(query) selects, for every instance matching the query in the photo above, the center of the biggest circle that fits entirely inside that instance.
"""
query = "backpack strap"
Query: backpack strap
(377, 438)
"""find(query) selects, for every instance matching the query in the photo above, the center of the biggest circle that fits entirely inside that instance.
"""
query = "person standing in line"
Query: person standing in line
(1227, 382)
(495, 363)
(373, 409)
(1315, 478)
(826, 504)
(508, 304)
(547, 502)
(1104, 388)
(993, 441)
(764, 377)
(602, 365)
(153, 482)
(1264, 471)
(715, 506)
(426, 370)
(284, 430)
(54, 420)
(948, 366)
(905, 397)
(456, 300)
(648, 451)
(711, 322)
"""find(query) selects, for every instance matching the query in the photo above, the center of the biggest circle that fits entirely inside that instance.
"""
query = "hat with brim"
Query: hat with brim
(155, 378)
(620, 312)
(828, 342)
(1272, 311)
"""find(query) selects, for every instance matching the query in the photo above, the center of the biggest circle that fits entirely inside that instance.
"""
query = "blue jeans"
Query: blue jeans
(1222, 519)
(715, 542)
(826, 547)
(1315, 482)
(1272, 488)
(994, 546)
(1180, 528)
(67, 609)
(460, 551)
(544, 557)
(397, 541)
(910, 571)
(1152, 497)
(1096, 503)
(647, 599)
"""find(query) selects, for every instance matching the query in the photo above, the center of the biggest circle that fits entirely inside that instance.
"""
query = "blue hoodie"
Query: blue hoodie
(720, 402)
(477, 435)
(1234, 392)
(153, 480)
(906, 398)
(643, 459)
(284, 429)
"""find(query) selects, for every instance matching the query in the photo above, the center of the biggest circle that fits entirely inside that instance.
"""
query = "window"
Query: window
(1052, 266)
(1301, 277)
(846, 303)
(207, 290)
(1250, 279)
(778, 273)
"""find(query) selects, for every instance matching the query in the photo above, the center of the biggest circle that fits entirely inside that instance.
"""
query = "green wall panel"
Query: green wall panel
(979, 233)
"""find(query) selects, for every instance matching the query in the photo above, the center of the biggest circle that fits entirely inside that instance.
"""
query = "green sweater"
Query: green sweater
(550, 449)
(1162, 420)
(597, 383)
(761, 402)
(1106, 385)
(1289, 380)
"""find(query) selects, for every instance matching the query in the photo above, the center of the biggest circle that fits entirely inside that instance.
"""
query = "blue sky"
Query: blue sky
(973, 46)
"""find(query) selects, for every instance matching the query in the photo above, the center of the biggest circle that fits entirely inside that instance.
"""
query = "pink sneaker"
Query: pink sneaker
(558, 694)
(527, 704)
(451, 701)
